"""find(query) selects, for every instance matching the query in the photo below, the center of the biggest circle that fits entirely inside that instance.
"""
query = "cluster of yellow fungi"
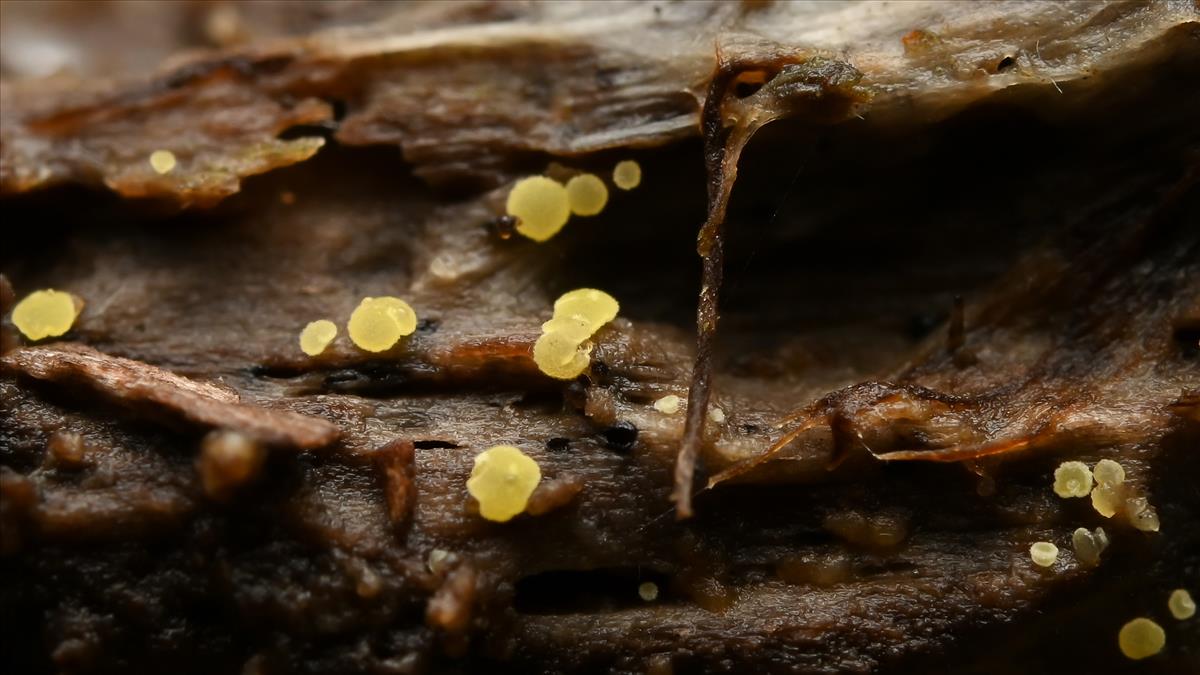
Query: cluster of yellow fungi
(376, 325)
(1141, 637)
(46, 313)
(1105, 483)
(563, 350)
(502, 481)
(542, 205)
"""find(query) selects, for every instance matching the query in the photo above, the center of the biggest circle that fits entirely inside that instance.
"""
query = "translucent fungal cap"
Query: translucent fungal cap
(593, 306)
(1109, 473)
(1043, 553)
(1106, 499)
(668, 404)
(627, 174)
(573, 327)
(46, 313)
(560, 356)
(1142, 514)
(648, 591)
(378, 323)
(586, 194)
(162, 161)
(1089, 545)
(316, 336)
(716, 415)
(1141, 638)
(1072, 479)
(540, 205)
(502, 481)
(1181, 604)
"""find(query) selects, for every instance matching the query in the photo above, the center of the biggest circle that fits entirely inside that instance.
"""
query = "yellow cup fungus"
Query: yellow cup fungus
(561, 357)
(1109, 494)
(586, 194)
(716, 415)
(46, 313)
(1141, 638)
(1089, 545)
(1043, 553)
(562, 350)
(1072, 479)
(668, 404)
(162, 161)
(648, 591)
(592, 306)
(502, 481)
(378, 323)
(316, 336)
(627, 174)
(1181, 604)
(540, 205)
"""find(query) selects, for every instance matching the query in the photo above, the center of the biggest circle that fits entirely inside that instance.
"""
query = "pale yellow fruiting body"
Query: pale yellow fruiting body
(46, 313)
(1141, 514)
(572, 327)
(627, 174)
(1106, 500)
(560, 357)
(1072, 479)
(586, 194)
(540, 205)
(502, 481)
(648, 591)
(716, 415)
(589, 304)
(668, 405)
(162, 161)
(1108, 495)
(1043, 553)
(562, 351)
(377, 324)
(1141, 638)
(1089, 545)
(316, 336)
(1108, 472)
(1181, 604)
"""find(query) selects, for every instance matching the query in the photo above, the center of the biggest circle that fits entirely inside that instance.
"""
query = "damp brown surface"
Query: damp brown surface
(959, 250)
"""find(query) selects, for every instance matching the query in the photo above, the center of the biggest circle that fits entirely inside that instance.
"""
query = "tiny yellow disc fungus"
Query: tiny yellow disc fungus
(1043, 553)
(1106, 499)
(378, 323)
(593, 306)
(627, 174)
(162, 161)
(316, 336)
(1109, 473)
(46, 313)
(1089, 545)
(561, 357)
(586, 194)
(1072, 479)
(648, 591)
(540, 205)
(1142, 514)
(668, 404)
(716, 415)
(502, 481)
(1141, 638)
(1181, 604)
(572, 327)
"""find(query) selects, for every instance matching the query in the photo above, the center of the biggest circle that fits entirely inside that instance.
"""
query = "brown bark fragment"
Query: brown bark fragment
(134, 383)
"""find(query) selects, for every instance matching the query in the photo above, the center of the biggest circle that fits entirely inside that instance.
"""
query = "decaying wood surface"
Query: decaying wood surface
(959, 248)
